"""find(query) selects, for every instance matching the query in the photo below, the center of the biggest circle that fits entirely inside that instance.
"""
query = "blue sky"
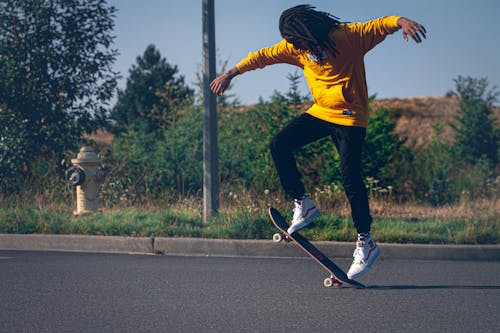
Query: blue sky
(463, 39)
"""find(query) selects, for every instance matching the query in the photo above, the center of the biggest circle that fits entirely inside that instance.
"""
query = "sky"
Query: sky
(463, 39)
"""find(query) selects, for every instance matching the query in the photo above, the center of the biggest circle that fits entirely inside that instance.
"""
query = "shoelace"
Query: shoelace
(358, 257)
(298, 205)
(297, 211)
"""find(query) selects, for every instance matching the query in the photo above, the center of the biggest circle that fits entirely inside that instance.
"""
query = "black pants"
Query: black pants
(349, 143)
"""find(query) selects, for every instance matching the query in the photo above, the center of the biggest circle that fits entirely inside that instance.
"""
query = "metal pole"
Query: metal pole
(210, 146)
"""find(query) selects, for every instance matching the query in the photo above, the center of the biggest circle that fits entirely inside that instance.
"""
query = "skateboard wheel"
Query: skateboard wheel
(329, 282)
(277, 238)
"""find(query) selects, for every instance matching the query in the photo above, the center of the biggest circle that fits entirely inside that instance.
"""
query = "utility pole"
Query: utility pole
(210, 145)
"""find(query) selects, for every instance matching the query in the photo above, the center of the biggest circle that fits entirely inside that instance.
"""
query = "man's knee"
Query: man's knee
(276, 144)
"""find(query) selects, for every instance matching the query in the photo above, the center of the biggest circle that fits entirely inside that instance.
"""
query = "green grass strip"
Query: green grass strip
(242, 224)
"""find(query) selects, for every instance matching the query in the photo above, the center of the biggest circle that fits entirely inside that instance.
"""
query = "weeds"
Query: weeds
(244, 216)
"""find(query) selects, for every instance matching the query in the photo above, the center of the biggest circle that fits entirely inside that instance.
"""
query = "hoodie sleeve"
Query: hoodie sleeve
(280, 53)
(367, 35)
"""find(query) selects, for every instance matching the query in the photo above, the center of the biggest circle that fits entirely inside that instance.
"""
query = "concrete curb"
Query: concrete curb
(76, 243)
(267, 248)
(235, 248)
(223, 247)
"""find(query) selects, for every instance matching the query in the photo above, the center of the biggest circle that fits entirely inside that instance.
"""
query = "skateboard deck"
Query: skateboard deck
(337, 275)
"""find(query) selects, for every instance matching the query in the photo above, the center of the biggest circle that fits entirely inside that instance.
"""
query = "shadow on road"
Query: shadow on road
(410, 287)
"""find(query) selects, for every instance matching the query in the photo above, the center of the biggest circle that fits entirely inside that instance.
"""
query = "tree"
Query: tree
(476, 133)
(381, 145)
(293, 94)
(13, 148)
(153, 95)
(55, 71)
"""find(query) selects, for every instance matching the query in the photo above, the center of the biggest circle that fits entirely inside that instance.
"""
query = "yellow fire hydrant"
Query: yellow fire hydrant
(84, 175)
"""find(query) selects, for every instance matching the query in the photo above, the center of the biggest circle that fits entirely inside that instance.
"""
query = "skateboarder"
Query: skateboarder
(331, 55)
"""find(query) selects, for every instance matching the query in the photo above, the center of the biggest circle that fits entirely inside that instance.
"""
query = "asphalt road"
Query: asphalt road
(76, 292)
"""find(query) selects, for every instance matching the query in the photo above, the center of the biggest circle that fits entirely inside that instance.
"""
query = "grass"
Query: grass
(240, 218)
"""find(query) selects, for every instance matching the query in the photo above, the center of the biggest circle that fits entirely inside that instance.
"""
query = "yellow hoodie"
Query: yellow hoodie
(338, 86)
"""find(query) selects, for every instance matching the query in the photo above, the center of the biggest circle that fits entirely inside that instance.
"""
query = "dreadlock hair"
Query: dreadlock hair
(311, 26)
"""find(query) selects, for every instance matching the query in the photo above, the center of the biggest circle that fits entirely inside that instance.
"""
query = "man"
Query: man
(331, 55)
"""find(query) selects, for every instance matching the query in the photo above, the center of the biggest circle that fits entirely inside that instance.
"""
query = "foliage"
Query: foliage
(241, 223)
(157, 147)
(245, 160)
(13, 149)
(381, 146)
(435, 168)
(56, 77)
(153, 97)
(183, 153)
(449, 169)
(144, 166)
(475, 89)
(476, 133)
(41, 186)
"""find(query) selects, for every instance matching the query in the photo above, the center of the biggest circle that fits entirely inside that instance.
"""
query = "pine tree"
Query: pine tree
(153, 94)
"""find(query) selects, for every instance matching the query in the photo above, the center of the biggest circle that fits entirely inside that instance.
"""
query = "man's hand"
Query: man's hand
(221, 83)
(412, 28)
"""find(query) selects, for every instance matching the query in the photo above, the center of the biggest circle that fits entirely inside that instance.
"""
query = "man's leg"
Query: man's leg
(298, 133)
(349, 142)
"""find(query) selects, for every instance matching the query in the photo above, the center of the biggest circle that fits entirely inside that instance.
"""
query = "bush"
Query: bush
(245, 160)
(13, 150)
(383, 147)
(154, 165)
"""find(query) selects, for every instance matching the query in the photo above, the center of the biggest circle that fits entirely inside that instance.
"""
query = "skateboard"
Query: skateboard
(337, 275)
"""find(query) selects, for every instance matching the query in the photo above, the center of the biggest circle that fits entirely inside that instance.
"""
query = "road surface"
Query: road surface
(78, 292)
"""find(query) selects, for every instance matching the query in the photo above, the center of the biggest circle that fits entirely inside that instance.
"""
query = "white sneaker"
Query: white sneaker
(365, 254)
(303, 214)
